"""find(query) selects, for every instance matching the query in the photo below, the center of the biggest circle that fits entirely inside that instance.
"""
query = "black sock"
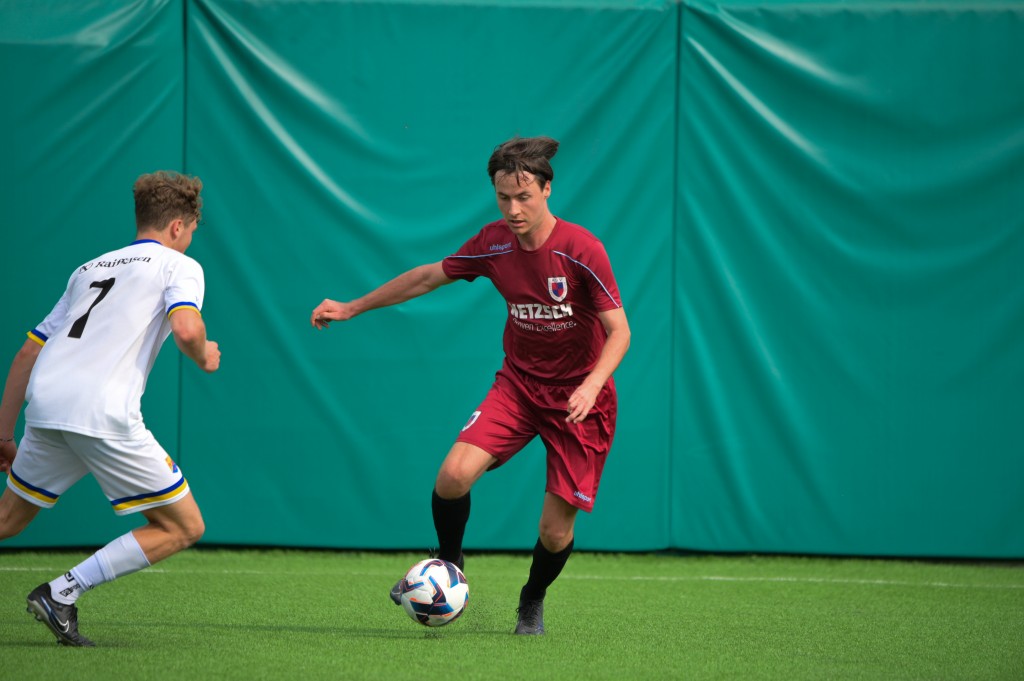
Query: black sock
(544, 570)
(450, 518)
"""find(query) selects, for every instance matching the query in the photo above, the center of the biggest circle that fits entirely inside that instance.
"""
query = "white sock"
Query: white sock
(120, 557)
(65, 589)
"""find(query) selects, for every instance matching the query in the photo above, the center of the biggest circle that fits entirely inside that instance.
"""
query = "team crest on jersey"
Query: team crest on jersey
(558, 288)
(170, 464)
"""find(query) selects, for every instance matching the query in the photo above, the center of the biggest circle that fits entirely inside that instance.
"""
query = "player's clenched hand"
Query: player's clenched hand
(330, 311)
(212, 358)
(581, 402)
(8, 450)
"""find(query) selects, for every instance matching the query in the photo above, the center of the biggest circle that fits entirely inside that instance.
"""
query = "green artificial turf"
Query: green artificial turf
(284, 614)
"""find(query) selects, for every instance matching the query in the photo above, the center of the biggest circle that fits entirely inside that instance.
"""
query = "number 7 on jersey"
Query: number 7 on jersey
(79, 326)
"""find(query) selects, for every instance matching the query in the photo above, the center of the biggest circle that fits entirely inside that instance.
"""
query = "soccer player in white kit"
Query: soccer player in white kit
(83, 370)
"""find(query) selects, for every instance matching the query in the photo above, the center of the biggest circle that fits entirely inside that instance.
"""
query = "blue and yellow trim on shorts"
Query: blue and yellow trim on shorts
(129, 504)
(45, 497)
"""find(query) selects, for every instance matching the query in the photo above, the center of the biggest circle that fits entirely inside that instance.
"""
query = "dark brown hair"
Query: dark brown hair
(524, 155)
(164, 196)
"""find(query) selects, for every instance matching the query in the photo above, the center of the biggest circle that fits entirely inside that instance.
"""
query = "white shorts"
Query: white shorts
(134, 474)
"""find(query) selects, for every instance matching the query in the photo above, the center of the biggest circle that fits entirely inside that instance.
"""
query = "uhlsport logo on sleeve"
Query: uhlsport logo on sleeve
(558, 288)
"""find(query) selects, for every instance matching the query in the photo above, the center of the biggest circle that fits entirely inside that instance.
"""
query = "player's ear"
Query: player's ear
(175, 228)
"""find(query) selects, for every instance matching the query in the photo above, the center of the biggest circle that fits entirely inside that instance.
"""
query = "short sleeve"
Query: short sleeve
(603, 287)
(56, 319)
(468, 262)
(185, 287)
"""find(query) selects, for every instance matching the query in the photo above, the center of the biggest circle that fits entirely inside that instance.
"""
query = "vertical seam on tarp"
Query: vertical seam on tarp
(673, 278)
(184, 169)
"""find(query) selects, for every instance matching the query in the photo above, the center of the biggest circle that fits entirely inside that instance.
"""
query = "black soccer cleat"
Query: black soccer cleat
(60, 618)
(396, 592)
(530, 621)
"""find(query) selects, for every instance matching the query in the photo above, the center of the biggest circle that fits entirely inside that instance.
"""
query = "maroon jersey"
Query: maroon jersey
(553, 294)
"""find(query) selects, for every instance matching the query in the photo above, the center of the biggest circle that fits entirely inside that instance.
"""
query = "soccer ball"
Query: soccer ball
(434, 592)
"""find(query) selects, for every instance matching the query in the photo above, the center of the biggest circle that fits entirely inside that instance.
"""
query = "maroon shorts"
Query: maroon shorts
(518, 408)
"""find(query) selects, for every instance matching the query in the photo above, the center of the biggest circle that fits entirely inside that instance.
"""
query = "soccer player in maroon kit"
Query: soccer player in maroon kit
(566, 333)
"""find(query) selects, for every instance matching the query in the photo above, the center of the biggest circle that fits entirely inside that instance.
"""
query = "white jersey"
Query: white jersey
(102, 337)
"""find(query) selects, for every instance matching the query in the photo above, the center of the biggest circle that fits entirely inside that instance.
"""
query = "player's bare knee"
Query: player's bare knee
(15, 516)
(7, 530)
(193, 531)
(554, 536)
(180, 533)
(182, 538)
(450, 484)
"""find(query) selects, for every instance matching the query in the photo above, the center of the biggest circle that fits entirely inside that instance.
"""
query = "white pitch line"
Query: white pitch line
(633, 578)
(799, 580)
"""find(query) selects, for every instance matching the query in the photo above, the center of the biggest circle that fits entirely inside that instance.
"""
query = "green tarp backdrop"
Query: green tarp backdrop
(815, 212)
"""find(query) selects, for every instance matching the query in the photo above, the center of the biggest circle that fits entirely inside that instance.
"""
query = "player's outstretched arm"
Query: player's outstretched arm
(189, 331)
(14, 399)
(411, 284)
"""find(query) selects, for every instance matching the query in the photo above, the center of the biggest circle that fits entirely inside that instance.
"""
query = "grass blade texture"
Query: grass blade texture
(289, 614)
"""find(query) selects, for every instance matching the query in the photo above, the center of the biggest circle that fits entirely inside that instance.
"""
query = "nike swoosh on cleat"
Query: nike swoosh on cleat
(64, 626)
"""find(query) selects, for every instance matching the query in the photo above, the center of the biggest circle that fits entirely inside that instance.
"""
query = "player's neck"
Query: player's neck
(149, 235)
(534, 240)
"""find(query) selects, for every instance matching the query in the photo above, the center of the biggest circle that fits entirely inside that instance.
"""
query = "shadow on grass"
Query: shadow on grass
(353, 631)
